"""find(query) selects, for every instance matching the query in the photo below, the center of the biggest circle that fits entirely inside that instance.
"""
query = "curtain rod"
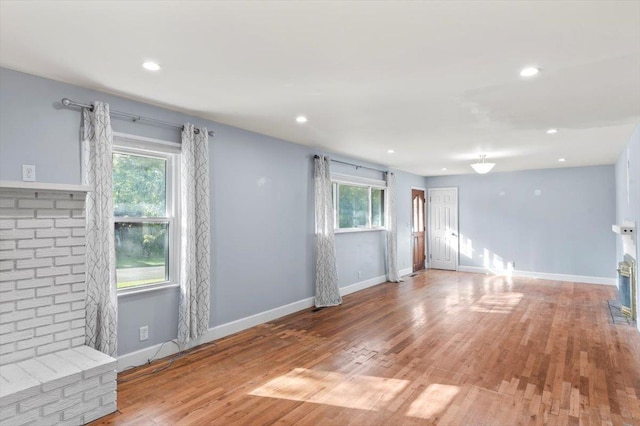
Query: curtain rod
(135, 118)
(357, 166)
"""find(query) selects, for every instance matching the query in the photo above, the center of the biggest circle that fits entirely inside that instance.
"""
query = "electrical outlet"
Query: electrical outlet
(144, 333)
(359, 274)
(28, 173)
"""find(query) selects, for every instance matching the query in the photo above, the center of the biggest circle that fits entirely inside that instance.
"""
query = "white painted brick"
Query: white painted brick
(56, 309)
(68, 316)
(101, 411)
(8, 244)
(51, 348)
(53, 195)
(79, 196)
(98, 390)
(34, 322)
(76, 306)
(79, 410)
(16, 316)
(35, 204)
(7, 223)
(77, 341)
(68, 335)
(16, 234)
(6, 265)
(35, 283)
(35, 223)
(8, 411)
(16, 275)
(52, 233)
(17, 254)
(70, 223)
(70, 260)
(33, 303)
(50, 329)
(69, 297)
(7, 307)
(70, 204)
(78, 323)
(7, 348)
(49, 272)
(7, 203)
(36, 341)
(53, 214)
(44, 262)
(36, 243)
(79, 269)
(61, 405)
(78, 287)
(53, 290)
(108, 377)
(7, 328)
(52, 371)
(18, 295)
(17, 336)
(25, 418)
(70, 279)
(81, 386)
(16, 213)
(78, 214)
(16, 356)
(6, 286)
(67, 242)
(52, 420)
(53, 252)
(77, 250)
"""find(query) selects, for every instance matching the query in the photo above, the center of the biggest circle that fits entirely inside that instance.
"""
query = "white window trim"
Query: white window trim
(155, 148)
(364, 182)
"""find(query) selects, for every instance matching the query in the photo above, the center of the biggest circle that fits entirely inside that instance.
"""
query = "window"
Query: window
(358, 205)
(144, 195)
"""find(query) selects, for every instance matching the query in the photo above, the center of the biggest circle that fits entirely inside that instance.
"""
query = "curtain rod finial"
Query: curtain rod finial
(66, 101)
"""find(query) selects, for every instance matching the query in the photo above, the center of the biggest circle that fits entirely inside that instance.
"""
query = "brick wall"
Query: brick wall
(42, 267)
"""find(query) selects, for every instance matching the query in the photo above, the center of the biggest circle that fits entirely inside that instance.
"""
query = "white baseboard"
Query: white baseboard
(142, 356)
(405, 271)
(542, 275)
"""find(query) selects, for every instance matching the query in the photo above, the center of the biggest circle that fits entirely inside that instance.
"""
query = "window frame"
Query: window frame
(170, 152)
(338, 179)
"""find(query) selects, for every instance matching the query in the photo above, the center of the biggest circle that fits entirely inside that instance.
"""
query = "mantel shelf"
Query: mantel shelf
(41, 186)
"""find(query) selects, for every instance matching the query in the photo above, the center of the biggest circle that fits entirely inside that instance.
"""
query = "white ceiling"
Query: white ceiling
(438, 82)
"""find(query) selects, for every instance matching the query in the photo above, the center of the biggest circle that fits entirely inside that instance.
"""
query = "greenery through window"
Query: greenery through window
(142, 220)
(358, 206)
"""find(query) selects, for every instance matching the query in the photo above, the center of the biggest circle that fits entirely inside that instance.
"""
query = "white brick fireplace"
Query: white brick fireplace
(47, 375)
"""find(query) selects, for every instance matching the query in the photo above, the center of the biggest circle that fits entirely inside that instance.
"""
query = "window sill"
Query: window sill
(146, 289)
(352, 230)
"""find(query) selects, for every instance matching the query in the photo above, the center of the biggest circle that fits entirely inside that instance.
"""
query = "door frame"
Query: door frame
(426, 228)
(430, 231)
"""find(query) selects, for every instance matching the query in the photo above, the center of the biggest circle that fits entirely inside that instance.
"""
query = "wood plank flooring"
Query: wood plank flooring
(439, 348)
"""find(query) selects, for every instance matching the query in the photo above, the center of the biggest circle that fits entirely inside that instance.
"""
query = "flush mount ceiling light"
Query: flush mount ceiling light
(390, 151)
(481, 167)
(151, 66)
(552, 131)
(301, 119)
(562, 159)
(444, 169)
(529, 71)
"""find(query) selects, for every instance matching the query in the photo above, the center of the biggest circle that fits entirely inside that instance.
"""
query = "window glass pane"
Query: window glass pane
(353, 208)
(142, 253)
(139, 186)
(377, 208)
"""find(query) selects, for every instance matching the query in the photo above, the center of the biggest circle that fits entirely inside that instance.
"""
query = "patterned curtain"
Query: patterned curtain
(101, 302)
(195, 283)
(392, 231)
(327, 292)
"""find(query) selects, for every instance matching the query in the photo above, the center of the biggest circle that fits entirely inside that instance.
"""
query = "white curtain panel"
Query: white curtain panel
(327, 292)
(195, 282)
(101, 302)
(392, 231)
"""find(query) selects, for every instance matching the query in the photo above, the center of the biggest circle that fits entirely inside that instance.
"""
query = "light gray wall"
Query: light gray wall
(261, 204)
(566, 229)
(627, 170)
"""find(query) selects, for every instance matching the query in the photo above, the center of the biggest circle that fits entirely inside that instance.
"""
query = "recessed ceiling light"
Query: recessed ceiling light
(529, 71)
(552, 131)
(444, 168)
(390, 151)
(151, 66)
(562, 159)
(301, 119)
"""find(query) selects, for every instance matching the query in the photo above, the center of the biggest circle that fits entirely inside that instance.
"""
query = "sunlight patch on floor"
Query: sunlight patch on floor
(326, 387)
(497, 303)
(433, 400)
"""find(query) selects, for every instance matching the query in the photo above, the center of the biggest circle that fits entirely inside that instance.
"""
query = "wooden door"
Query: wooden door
(443, 228)
(418, 228)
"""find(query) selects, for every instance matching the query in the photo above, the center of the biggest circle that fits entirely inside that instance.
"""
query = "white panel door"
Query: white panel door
(443, 228)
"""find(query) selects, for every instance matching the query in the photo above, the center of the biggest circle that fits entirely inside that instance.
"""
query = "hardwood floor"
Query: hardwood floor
(443, 347)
